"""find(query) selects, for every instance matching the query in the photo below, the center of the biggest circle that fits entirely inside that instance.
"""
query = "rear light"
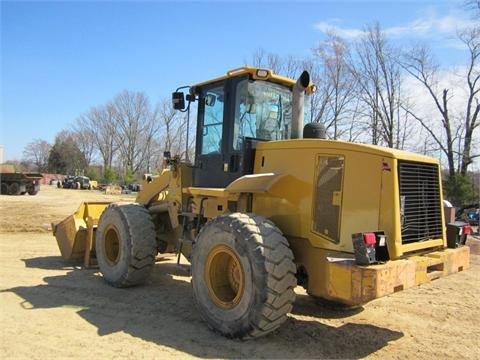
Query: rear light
(466, 229)
(370, 247)
(457, 233)
(369, 238)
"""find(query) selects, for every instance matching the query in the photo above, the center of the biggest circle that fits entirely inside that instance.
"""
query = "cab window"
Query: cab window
(263, 111)
(212, 127)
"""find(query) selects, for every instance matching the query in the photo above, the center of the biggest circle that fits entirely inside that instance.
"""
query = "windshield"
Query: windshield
(263, 110)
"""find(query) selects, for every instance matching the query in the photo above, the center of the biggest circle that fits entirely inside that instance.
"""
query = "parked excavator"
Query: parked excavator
(269, 204)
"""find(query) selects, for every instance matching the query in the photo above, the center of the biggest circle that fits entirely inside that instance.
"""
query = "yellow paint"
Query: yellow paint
(71, 233)
(252, 72)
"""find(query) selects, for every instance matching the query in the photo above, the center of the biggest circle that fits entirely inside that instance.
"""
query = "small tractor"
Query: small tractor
(268, 205)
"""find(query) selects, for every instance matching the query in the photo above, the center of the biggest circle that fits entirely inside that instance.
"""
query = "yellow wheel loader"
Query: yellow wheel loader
(269, 204)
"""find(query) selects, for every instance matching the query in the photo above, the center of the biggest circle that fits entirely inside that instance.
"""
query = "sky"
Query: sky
(60, 58)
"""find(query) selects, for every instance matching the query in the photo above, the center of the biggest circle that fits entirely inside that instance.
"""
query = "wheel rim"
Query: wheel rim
(224, 277)
(111, 246)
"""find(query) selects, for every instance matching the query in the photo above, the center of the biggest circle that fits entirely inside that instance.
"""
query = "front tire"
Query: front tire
(243, 275)
(125, 244)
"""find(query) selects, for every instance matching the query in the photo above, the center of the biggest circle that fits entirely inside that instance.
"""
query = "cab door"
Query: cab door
(217, 162)
(208, 170)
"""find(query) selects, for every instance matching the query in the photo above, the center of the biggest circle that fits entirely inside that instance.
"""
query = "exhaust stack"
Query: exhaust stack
(298, 102)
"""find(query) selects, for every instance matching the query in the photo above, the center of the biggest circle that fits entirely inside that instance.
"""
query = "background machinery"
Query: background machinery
(17, 183)
(262, 210)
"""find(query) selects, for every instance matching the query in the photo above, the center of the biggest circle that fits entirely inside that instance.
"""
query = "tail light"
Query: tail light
(457, 233)
(369, 238)
(466, 230)
(370, 247)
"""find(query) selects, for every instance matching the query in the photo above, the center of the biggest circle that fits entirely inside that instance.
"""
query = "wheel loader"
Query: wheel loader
(269, 204)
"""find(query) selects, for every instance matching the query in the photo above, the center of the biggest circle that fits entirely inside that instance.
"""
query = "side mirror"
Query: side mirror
(178, 100)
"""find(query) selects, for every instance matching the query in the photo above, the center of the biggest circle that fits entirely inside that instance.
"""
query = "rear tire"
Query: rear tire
(125, 244)
(243, 275)
(14, 189)
(31, 190)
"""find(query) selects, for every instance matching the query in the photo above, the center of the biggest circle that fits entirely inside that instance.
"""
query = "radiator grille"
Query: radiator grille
(421, 213)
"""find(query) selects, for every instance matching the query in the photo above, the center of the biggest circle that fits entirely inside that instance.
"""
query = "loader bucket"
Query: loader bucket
(71, 233)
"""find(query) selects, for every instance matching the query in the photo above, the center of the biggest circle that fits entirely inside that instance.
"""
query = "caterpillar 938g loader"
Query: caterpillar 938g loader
(268, 205)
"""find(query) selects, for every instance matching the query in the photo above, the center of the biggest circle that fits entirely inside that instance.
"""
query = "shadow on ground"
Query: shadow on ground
(163, 312)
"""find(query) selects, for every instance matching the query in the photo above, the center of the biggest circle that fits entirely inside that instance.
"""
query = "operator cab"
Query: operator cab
(234, 113)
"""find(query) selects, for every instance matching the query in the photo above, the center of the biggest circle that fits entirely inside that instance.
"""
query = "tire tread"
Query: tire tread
(141, 235)
(274, 257)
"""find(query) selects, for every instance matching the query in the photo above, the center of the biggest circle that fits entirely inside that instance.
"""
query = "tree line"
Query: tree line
(114, 142)
(368, 91)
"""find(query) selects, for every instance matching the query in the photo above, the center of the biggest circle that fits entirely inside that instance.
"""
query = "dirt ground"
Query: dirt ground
(51, 308)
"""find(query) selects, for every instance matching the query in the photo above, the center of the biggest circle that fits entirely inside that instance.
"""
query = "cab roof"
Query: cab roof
(254, 73)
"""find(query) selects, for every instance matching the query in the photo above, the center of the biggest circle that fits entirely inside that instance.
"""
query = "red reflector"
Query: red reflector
(466, 229)
(369, 238)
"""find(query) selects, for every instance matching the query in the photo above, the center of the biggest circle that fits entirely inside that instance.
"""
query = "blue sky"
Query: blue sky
(60, 58)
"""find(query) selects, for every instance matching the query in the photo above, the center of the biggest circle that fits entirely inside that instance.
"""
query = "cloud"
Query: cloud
(451, 79)
(427, 26)
(430, 26)
(326, 27)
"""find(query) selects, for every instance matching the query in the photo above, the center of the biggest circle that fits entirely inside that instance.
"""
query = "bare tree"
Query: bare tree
(86, 143)
(379, 77)
(173, 130)
(471, 38)
(258, 58)
(336, 86)
(289, 66)
(456, 140)
(37, 152)
(473, 5)
(421, 65)
(136, 128)
(99, 125)
(127, 134)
